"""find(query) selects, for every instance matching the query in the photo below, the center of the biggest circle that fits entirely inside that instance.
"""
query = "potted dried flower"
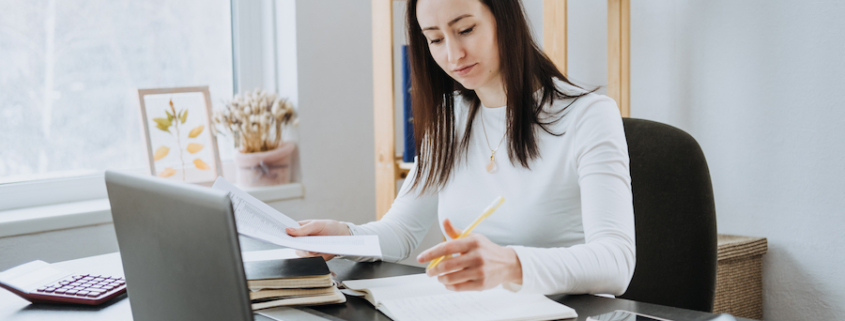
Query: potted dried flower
(256, 120)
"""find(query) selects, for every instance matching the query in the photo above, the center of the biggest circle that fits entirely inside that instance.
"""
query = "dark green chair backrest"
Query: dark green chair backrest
(675, 218)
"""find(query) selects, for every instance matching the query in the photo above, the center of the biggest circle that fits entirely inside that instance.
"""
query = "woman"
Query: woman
(480, 83)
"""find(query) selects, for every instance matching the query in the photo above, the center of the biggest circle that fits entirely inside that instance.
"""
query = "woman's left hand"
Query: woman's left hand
(481, 264)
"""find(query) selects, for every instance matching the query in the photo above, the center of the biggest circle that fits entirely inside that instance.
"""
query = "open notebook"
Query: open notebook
(419, 297)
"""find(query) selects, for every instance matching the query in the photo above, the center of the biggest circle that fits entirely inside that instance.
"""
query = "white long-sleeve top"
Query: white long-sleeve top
(569, 217)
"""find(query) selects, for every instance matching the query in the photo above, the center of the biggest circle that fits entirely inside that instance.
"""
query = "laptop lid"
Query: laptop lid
(180, 251)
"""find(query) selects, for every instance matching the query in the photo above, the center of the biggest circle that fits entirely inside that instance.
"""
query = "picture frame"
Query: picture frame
(179, 134)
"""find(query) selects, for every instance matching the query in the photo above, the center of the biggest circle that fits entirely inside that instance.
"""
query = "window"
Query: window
(70, 70)
(68, 104)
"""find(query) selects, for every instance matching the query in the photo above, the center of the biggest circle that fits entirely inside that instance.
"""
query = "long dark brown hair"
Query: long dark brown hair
(524, 68)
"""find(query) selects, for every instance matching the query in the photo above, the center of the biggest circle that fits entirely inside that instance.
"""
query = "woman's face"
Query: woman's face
(461, 36)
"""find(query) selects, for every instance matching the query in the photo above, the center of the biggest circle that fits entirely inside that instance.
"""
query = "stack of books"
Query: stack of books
(287, 282)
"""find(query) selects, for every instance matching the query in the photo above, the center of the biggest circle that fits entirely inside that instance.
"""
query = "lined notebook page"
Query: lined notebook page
(398, 287)
(490, 305)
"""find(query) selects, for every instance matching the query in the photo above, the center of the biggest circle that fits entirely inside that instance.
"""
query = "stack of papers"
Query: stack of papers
(260, 221)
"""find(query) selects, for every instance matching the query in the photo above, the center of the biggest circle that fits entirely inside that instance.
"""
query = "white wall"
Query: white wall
(757, 84)
(58, 245)
(335, 93)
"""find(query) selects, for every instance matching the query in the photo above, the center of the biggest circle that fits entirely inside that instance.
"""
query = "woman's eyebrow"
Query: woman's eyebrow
(450, 22)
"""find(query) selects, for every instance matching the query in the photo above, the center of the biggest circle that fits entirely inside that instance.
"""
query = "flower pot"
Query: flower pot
(265, 168)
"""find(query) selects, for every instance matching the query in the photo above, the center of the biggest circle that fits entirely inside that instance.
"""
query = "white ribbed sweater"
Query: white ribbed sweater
(569, 218)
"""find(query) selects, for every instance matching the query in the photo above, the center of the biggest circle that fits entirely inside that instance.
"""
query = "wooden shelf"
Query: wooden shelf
(402, 167)
(389, 168)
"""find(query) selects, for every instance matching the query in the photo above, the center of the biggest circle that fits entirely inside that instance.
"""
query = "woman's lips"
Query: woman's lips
(463, 71)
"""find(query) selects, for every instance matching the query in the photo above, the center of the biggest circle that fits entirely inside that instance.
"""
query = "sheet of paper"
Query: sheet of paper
(258, 220)
(266, 255)
(288, 313)
(489, 305)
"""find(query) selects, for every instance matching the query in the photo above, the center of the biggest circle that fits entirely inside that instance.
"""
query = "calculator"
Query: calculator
(41, 282)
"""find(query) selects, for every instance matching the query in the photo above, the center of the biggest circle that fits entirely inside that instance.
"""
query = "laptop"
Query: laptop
(180, 251)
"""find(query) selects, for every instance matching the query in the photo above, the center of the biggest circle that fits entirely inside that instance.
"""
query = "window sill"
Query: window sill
(39, 219)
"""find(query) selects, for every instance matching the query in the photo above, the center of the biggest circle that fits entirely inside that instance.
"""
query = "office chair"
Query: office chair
(674, 215)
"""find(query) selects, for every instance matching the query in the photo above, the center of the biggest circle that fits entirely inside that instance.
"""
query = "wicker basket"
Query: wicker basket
(739, 276)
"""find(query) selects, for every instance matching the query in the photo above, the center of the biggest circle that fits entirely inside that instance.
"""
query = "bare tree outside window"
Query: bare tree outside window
(69, 70)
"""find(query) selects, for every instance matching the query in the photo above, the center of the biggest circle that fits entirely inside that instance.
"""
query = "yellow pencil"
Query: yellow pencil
(489, 210)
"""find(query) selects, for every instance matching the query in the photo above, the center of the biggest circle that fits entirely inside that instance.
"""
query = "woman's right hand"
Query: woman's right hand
(318, 228)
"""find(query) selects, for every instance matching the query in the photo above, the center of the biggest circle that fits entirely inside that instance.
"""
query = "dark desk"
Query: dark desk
(13, 308)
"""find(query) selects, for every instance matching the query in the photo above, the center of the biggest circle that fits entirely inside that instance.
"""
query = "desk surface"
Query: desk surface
(13, 308)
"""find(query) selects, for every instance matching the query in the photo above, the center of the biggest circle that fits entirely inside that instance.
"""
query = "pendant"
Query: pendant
(491, 168)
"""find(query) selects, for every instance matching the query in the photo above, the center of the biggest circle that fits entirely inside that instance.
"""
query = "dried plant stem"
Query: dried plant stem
(178, 140)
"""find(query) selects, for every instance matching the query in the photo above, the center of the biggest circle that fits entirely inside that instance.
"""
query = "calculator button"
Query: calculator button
(95, 294)
(82, 293)
(50, 290)
(63, 282)
(71, 292)
(61, 291)
(41, 289)
(109, 287)
(98, 279)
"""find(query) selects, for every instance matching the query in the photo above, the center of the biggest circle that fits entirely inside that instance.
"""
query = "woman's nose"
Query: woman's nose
(455, 51)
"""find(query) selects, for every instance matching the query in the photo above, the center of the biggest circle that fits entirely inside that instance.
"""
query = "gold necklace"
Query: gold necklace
(491, 167)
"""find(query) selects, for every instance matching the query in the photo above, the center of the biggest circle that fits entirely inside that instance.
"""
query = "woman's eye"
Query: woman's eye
(434, 41)
(468, 30)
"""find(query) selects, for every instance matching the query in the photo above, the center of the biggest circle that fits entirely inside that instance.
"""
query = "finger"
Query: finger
(459, 276)
(326, 257)
(453, 264)
(309, 228)
(450, 229)
(303, 253)
(475, 285)
(303, 222)
(447, 249)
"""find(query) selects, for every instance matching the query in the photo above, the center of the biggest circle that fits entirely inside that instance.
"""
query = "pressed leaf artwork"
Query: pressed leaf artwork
(200, 164)
(167, 172)
(161, 152)
(194, 148)
(174, 119)
(196, 131)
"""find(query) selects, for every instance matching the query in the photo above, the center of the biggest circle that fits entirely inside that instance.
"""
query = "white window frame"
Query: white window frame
(59, 203)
